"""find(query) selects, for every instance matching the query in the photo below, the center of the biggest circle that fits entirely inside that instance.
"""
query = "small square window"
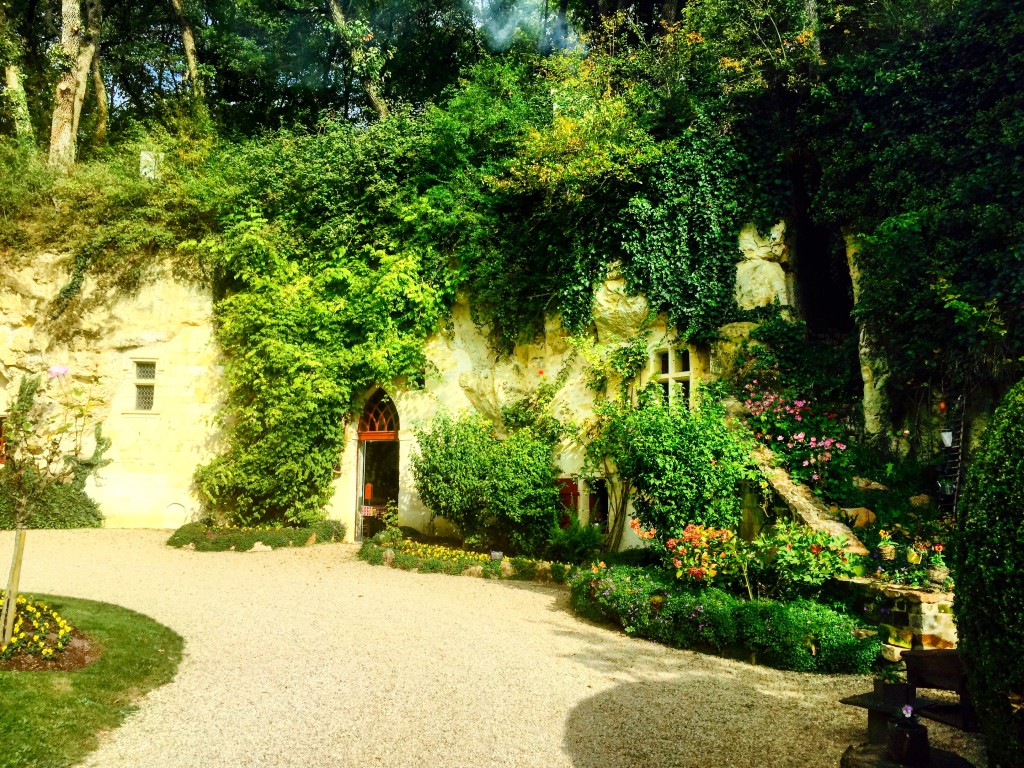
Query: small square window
(145, 384)
(144, 397)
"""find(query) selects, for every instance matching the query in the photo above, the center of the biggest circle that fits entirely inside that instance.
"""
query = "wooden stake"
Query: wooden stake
(10, 609)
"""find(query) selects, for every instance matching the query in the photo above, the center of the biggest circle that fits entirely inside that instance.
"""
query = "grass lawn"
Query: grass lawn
(50, 719)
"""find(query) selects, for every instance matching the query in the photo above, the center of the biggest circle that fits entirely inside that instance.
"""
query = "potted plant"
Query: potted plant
(908, 739)
(938, 572)
(885, 547)
(891, 686)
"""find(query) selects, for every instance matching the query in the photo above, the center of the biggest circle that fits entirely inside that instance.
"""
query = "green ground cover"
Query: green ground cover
(51, 719)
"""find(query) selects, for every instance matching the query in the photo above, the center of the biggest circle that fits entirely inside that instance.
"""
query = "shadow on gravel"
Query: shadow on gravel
(708, 719)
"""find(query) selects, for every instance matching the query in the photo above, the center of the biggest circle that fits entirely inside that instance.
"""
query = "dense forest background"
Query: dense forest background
(339, 171)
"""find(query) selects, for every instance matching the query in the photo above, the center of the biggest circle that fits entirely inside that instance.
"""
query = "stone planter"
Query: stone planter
(887, 551)
(908, 744)
(937, 574)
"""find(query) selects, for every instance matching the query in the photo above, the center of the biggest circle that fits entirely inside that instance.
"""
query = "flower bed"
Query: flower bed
(434, 558)
(205, 537)
(38, 629)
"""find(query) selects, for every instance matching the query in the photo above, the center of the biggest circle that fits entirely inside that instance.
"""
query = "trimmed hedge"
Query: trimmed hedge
(63, 506)
(802, 636)
(208, 538)
(989, 573)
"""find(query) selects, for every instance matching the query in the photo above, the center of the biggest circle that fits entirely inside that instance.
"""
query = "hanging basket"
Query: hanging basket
(887, 551)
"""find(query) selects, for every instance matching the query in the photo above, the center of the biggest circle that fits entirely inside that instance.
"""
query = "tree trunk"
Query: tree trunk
(18, 102)
(99, 136)
(78, 46)
(874, 368)
(371, 84)
(188, 44)
(10, 606)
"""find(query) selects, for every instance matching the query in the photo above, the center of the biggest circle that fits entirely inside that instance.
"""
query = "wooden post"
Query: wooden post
(10, 608)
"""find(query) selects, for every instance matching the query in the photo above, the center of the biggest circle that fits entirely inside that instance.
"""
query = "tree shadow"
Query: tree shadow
(719, 715)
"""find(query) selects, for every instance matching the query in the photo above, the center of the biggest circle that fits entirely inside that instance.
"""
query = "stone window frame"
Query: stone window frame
(141, 382)
(666, 368)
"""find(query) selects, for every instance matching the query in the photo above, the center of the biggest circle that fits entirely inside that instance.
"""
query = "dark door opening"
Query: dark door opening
(379, 484)
(378, 463)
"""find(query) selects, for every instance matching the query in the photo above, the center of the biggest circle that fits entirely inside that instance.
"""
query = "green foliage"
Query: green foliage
(500, 492)
(576, 543)
(684, 465)
(990, 593)
(790, 561)
(205, 537)
(931, 186)
(801, 636)
(322, 309)
(679, 231)
(805, 636)
(62, 505)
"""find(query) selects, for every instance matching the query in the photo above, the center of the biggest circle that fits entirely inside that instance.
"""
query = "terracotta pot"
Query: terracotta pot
(908, 744)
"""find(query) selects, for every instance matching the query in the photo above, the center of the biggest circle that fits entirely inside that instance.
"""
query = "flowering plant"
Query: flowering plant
(38, 629)
(804, 438)
(702, 554)
(44, 442)
(935, 556)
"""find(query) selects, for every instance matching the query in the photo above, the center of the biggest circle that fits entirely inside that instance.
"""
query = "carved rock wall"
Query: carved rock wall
(155, 451)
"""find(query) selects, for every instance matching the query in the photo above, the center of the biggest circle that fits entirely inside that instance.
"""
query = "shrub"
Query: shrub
(576, 543)
(647, 602)
(431, 565)
(406, 561)
(63, 505)
(499, 493)
(988, 565)
(525, 568)
(791, 560)
(209, 538)
(685, 465)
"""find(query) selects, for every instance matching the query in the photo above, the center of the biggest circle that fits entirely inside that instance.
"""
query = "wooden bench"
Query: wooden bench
(937, 670)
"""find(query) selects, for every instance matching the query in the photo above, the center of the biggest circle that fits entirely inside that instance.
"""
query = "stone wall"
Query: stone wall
(169, 324)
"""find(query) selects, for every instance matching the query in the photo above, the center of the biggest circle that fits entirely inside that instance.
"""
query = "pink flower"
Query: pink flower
(806, 462)
(56, 371)
(780, 437)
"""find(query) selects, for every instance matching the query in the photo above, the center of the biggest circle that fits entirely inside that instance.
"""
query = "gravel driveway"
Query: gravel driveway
(309, 657)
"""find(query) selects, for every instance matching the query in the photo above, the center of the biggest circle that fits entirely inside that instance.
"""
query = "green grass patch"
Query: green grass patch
(211, 538)
(51, 719)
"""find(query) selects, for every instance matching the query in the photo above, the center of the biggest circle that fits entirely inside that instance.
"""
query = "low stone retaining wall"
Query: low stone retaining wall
(906, 617)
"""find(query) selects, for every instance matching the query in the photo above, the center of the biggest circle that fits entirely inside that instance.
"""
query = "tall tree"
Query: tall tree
(14, 88)
(367, 60)
(188, 46)
(78, 42)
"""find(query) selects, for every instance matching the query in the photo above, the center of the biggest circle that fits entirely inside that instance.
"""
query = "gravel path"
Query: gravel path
(309, 657)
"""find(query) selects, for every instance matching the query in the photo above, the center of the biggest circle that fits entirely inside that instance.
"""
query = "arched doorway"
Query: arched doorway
(378, 462)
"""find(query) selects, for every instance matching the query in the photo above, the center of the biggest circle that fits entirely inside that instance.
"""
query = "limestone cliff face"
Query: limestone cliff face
(155, 447)
(762, 276)
(165, 331)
